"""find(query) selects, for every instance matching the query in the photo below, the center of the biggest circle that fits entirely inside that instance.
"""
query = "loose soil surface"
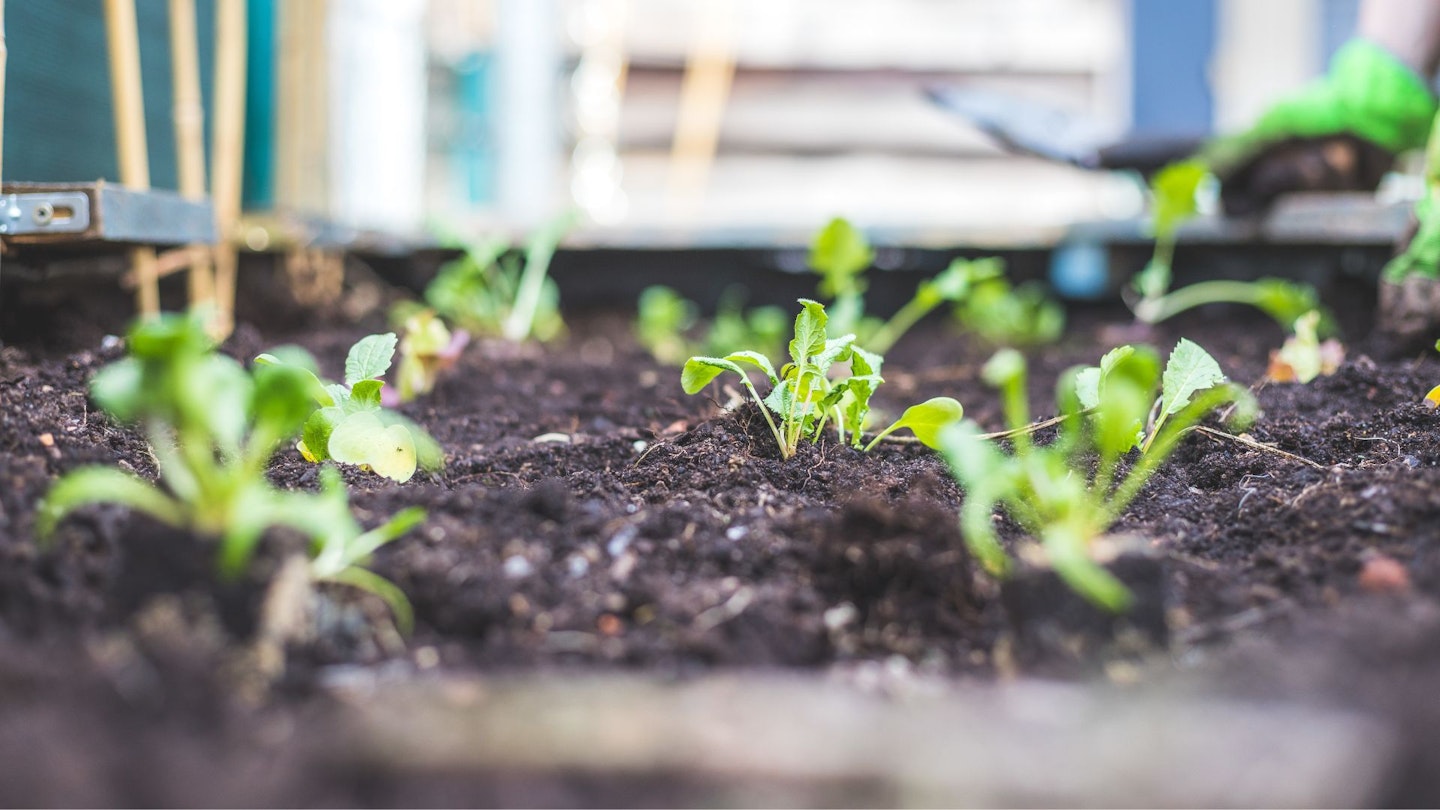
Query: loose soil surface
(592, 516)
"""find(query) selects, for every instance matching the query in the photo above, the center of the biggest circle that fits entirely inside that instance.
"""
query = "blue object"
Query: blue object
(1173, 42)
(1080, 270)
(473, 153)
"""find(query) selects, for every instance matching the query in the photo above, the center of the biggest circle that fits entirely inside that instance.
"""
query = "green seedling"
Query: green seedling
(427, 350)
(1069, 492)
(490, 290)
(351, 425)
(840, 253)
(1304, 356)
(803, 398)
(1282, 300)
(955, 284)
(662, 319)
(1174, 190)
(1005, 315)
(764, 329)
(985, 301)
(213, 428)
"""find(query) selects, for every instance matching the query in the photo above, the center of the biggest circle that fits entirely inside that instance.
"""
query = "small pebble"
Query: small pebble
(736, 532)
(609, 624)
(577, 565)
(427, 658)
(1382, 574)
(47, 439)
(518, 567)
(622, 539)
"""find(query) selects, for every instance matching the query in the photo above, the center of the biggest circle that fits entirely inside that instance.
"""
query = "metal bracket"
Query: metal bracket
(44, 212)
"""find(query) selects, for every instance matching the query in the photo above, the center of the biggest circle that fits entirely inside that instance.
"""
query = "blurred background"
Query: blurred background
(672, 121)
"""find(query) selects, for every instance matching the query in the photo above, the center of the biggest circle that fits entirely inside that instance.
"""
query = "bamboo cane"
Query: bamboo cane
(189, 116)
(228, 149)
(131, 147)
(709, 72)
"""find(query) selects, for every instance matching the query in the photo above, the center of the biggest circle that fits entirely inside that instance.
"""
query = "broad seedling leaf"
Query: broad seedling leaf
(1126, 397)
(1174, 187)
(370, 358)
(809, 337)
(1190, 369)
(1091, 380)
(926, 420)
(757, 360)
(317, 388)
(365, 395)
(361, 439)
(840, 253)
(699, 371)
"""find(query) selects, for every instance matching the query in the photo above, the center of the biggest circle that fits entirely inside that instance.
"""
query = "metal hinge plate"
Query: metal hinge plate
(44, 212)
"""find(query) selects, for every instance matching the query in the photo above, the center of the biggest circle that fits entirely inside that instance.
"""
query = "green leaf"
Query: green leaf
(840, 253)
(281, 401)
(370, 357)
(361, 439)
(756, 359)
(927, 419)
(981, 470)
(119, 389)
(316, 434)
(1286, 301)
(1174, 188)
(835, 350)
(377, 585)
(365, 395)
(339, 395)
(1126, 396)
(1003, 368)
(699, 371)
(1089, 381)
(94, 485)
(1189, 370)
(863, 363)
(299, 358)
(809, 337)
(216, 392)
(428, 452)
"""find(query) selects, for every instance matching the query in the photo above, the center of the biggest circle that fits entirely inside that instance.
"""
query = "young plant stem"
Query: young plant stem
(1068, 550)
(521, 320)
(1171, 304)
(900, 323)
(765, 412)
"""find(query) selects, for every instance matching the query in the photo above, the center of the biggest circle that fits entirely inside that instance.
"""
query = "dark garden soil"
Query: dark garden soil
(590, 515)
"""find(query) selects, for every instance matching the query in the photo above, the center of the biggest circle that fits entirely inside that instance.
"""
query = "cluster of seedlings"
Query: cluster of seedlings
(215, 425)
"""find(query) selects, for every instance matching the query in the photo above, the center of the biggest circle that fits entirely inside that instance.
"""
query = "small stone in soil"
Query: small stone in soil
(1382, 574)
(517, 567)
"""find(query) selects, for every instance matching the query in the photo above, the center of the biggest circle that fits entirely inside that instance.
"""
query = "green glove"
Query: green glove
(1340, 133)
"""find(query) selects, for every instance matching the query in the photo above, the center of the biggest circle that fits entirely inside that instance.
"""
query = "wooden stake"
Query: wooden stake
(189, 116)
(709, 71)
(227, 158)
(131, 145)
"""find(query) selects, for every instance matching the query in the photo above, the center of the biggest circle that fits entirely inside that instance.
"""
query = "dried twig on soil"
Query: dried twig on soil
(1254, 445)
